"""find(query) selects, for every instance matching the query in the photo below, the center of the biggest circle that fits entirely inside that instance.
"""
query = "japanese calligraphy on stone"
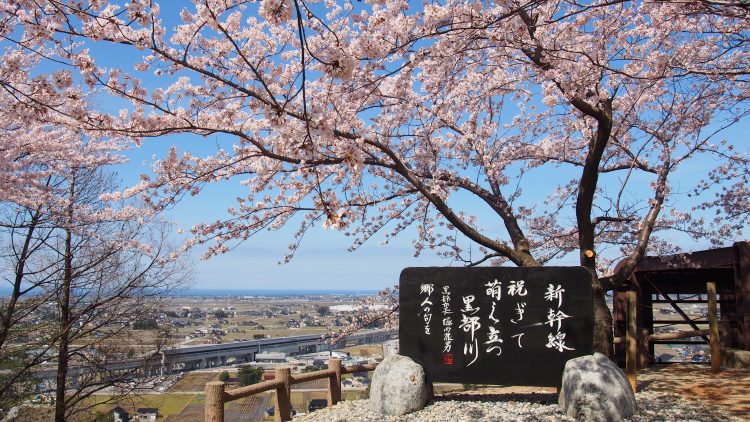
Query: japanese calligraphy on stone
(481, 321)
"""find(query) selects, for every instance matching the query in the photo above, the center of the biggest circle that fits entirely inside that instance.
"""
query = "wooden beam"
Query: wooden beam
(668, 336)
(695, 301)
(283, 401)
(249, 390)
(742, 292)
(677, 334)
(311, 376)
(713, 327)
(642, 344)
(214, 393)
(676, 308)
(334, 381)
(631, 346)
(679, 321)
(358, 368)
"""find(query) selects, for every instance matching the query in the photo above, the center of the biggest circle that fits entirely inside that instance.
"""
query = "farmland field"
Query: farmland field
(249, 409)
(193, 412)
(300, 400)
(168, 404)
(193, 382)
(365, 351)
(312, 385)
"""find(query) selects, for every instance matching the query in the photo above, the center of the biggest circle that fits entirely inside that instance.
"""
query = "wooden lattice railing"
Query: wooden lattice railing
(216, 395)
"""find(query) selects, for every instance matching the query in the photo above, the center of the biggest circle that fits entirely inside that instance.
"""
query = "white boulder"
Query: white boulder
(399, 386)
(594, 389)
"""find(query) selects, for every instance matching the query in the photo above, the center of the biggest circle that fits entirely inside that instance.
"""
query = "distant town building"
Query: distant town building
(390, 348)
(352, 308)
(120, 415)
(270, 357)
(147, 414)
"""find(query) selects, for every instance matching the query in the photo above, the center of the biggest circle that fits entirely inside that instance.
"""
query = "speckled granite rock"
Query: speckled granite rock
(594, 389)
(399, 387)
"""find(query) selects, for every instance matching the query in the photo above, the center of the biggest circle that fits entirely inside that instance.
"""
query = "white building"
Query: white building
(270, 357)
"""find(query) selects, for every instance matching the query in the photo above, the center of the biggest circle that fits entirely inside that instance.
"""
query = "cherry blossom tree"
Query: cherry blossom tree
(39, 138)
(526, 130)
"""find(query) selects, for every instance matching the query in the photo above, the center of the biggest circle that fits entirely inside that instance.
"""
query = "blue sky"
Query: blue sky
(322, 262)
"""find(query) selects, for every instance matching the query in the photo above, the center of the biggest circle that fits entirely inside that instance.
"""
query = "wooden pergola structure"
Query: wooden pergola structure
(678, 280)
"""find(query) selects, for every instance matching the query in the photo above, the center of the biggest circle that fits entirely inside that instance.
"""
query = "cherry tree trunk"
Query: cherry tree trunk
(603, 334)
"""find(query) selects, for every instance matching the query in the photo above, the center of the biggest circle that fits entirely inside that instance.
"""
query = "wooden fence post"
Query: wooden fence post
(631, 343)
(214, 392)
(713, 327)
(644, 359)
(282, 412)
(334, 382)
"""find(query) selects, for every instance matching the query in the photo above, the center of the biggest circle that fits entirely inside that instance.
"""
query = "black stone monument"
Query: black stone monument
(495, 325)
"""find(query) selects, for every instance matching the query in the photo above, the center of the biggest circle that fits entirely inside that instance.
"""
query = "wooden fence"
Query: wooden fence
(632, 338)
(216, 396)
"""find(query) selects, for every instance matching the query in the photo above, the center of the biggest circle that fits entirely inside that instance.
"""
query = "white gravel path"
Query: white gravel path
(652, 406)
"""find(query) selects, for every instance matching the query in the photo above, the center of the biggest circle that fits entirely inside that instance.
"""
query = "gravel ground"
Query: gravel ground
(652, 406)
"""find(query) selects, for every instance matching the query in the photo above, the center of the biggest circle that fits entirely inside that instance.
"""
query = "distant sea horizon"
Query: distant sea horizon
(235, 292)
